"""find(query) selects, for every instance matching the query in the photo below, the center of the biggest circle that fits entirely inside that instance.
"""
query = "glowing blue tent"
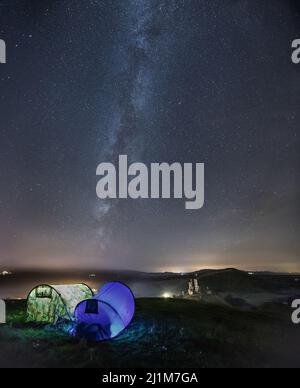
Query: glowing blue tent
(107, 314)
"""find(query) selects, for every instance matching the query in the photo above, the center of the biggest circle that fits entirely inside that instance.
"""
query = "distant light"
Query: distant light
(167, 295)
(5, 273)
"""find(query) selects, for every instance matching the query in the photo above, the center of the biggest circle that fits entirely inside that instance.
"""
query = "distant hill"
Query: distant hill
(228, 280)
(154, 284)
(233, 280)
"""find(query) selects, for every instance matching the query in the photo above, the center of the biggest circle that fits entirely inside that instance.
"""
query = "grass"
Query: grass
(164, 333)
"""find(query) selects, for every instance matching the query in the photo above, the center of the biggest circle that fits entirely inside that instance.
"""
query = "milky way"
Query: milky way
(189, 81)
(135, 71)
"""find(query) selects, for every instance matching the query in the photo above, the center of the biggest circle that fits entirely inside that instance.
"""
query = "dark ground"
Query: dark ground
(164, 333)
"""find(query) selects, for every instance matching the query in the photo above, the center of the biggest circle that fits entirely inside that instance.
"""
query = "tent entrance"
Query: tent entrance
(44, 296)
(44, 313)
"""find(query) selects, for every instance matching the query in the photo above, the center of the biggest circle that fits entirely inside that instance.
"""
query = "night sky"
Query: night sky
(207, 81)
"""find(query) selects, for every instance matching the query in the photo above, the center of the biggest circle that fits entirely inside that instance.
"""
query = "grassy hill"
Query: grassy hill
(164, 333)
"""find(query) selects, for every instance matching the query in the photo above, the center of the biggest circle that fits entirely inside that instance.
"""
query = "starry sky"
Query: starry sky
(198, 81)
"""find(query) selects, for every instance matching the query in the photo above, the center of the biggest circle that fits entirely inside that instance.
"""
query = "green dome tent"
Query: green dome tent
(49, 304)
